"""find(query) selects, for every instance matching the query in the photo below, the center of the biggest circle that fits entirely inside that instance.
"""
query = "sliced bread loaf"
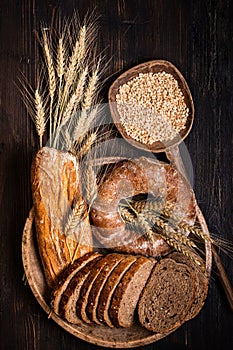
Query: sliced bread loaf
(66, 276)
(67, 306)
(105, 264)
(167, 296)
(201, 283)
(109, 288)
(126, 295)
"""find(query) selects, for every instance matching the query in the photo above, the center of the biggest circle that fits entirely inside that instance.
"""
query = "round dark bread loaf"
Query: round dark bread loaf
(109, 288)
(201, 283)
(167, 296)
(126, 295)
(66, 276)
(93, 298)
(104, 264)
(67, 306)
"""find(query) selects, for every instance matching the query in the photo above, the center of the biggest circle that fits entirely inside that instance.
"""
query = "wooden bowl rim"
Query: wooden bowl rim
(27, 256)
(146, 67)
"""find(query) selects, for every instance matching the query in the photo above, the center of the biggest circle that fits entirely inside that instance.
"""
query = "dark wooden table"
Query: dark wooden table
(196, 36)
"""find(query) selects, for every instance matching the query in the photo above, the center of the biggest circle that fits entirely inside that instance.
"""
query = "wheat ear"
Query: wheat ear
(183, 249)
(74, 218)
(75, 97)
(51, 78)
(39, 118)
(91, 185)
(90, 90)
(86, 145)
(75, 59)
(60, 66)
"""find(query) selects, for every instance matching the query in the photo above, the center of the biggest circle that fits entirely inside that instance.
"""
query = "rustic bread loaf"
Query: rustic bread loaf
(167, 296)
(130, 178)
(55, 189)
(126, 295)
(98, 284)
(201, 283)
(66, 276)
(105, 264)
(67, 307)
(107, 291)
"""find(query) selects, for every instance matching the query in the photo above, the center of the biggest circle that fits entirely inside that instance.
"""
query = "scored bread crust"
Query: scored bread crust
(55, 177)
(109, 288)
(98, 284)
(66, 276)
(125, 297)
(201, 283)
(167, 297)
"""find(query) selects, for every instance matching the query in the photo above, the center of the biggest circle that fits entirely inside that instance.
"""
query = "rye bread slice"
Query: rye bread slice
(82, 301)
(167, 297)
(66, 276)
(201, 283)
(67, 306)
(109, 288)
(93, 298)
(126, 296)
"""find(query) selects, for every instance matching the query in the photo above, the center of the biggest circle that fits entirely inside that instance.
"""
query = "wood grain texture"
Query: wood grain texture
(196, 36)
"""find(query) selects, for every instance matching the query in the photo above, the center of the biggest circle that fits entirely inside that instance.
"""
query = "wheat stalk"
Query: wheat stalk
(175, 239)
(183, 249)
(149, 207)
(74, 218)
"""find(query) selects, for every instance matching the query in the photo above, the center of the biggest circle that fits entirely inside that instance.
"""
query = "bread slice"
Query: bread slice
(66, 276)
(109, 288)
(93, 298)
(125, 297)
(103, 265)
(67, 306)
(167, 297)
(201, 283)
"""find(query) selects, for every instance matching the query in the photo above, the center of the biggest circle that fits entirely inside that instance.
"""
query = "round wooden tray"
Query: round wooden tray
(95, 334)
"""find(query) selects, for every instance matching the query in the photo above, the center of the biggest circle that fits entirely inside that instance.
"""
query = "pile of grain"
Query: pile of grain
(152, 107)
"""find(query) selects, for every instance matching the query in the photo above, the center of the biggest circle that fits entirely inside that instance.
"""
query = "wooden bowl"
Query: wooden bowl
(152, 67)
(95, 334)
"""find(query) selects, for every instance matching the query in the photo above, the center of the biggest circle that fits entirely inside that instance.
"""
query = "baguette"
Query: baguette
(56, 189)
